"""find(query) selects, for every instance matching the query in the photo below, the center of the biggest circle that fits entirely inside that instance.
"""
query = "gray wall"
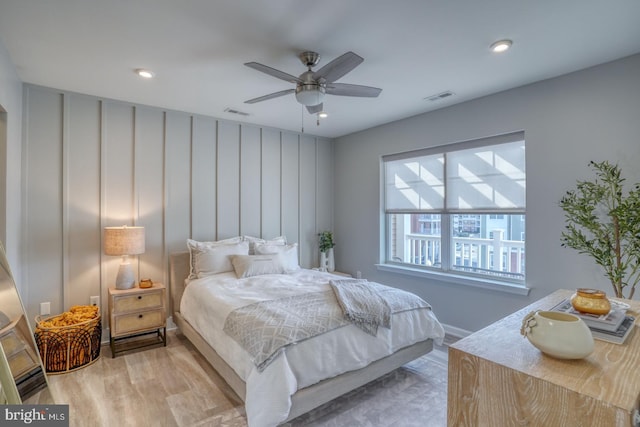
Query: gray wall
(91, 163)
(592, 114)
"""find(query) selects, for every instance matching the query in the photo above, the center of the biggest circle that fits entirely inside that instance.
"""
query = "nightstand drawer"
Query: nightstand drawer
(129, 323)
(124, 304)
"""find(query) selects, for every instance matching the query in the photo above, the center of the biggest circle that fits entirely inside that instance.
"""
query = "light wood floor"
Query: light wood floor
(175, 386)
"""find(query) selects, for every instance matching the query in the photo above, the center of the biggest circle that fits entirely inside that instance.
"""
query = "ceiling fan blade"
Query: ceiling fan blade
(312, 109)
(344, 89)
(273, 72)
(338, 67)
(270, 96)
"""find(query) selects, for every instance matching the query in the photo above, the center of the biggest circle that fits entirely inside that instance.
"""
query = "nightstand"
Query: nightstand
(136, 314)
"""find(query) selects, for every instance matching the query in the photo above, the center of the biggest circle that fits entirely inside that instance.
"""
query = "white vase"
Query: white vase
(331, 264)
(560, 335)
(323, 261)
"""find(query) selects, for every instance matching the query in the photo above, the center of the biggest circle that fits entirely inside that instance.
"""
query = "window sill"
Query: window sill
(494, 285)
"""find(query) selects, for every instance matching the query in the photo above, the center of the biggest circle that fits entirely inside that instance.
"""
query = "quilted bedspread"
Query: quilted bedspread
(265, 328)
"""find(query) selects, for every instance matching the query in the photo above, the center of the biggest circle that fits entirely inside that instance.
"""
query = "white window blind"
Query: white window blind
(487, 178)
(480, 176)
(415, 184)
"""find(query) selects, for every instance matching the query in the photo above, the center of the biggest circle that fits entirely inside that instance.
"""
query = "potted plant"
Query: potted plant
(326, 244)
(603, 221)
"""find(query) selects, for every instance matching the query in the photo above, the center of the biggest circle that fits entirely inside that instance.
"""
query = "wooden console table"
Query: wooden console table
(498, 378)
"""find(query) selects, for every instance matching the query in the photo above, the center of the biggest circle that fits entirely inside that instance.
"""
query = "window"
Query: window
(458, 209)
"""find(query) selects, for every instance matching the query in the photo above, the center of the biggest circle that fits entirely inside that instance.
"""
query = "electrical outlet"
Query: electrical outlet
(358, 274)
(94, 300)
(45, 308)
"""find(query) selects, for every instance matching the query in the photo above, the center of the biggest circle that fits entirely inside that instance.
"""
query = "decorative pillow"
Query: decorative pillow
(256, 265)
(280, 240)
(195, 246)
(288, 254)
(214, 259)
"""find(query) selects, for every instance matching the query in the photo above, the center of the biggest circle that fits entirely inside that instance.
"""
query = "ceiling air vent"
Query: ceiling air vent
(232, 111)
(439, 96)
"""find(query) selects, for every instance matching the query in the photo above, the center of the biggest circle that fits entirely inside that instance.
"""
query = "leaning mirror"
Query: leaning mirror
(20, 359)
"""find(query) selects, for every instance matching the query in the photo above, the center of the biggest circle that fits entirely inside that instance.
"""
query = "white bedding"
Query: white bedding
(207, 302)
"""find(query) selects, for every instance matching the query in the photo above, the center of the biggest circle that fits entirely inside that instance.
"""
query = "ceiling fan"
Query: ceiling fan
(312, 86)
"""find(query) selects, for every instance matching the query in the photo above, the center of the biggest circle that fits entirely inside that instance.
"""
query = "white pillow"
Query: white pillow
(280, 240)
(288, 254)
(195, 246)
(256, 265)
(215, 259)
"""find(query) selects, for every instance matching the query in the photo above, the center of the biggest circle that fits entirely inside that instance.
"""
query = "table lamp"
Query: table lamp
(124, 241)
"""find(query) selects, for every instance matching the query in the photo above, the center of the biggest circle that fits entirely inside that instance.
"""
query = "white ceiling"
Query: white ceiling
(412, 49)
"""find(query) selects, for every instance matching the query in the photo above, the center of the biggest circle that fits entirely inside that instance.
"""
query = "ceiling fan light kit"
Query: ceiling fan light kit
(310, 94)
(312, 86)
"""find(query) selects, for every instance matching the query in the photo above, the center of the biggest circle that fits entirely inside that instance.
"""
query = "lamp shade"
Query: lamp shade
(124, 240)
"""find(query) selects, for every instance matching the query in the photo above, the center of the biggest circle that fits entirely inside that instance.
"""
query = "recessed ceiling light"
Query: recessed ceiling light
(147, 74)
(501, 46)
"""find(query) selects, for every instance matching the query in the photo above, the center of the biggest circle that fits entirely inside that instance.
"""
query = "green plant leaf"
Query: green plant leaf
(603, 221)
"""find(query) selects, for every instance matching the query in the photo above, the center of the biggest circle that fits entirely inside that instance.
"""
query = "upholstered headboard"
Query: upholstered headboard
(179, 268)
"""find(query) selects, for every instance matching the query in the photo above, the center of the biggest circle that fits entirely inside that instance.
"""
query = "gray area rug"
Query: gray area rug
(414, 395)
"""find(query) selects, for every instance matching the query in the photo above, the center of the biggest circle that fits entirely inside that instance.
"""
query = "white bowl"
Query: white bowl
(559, 335)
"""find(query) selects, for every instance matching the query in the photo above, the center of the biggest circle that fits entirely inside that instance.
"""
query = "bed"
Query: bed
(281, 392)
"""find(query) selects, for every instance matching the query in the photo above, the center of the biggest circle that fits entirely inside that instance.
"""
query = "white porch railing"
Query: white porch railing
(491, 256)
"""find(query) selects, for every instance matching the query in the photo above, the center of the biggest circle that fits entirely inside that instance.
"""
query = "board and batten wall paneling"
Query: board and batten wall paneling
(307, 179)
(42, 276)
(250, 181)
(290, 187)
(117, 180)
(271, 188)
(203, 178)
(178, 180)
(228, 180)
(324, 188)
(149, 190)
(91, 162)
(82, 201)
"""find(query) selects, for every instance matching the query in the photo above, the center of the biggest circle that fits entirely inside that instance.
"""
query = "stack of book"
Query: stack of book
(615, 327)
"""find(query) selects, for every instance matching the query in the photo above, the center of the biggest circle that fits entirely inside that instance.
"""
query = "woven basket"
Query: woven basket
(67, 348)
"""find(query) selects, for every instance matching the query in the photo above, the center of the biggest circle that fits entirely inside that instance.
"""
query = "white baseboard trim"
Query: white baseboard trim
(455, 331)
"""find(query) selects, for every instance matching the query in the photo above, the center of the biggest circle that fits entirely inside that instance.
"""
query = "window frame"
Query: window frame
(446, 272)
